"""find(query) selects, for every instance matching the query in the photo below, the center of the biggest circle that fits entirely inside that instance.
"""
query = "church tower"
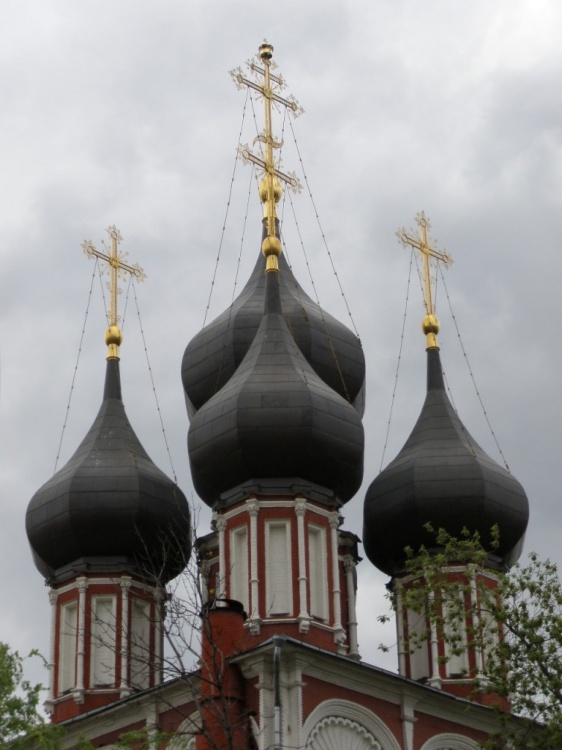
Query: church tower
(441, 477)
(107, 532)
(274, 388)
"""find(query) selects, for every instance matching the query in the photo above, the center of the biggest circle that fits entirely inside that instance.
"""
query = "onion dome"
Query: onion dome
(331, 349)
(443, 477)
(275, 418)
(110, 509)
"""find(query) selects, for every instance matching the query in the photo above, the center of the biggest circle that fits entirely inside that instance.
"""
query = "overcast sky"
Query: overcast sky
(122, 112)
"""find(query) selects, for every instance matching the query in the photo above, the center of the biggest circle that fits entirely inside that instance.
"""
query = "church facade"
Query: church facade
(275, 390)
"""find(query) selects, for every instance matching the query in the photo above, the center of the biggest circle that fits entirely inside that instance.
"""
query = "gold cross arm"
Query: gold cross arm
(288, 178)
(425, 247)
(291, 103)
(116, 265)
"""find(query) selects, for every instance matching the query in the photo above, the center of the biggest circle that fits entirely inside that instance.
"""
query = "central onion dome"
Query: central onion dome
(441, 476)
(110, 509)
(330, 348)
(275, 418)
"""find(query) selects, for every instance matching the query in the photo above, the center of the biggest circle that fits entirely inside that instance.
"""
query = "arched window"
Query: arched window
(450, 742)
(336, 724)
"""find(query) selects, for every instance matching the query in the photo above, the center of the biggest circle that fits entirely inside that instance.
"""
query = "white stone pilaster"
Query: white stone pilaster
(159, 617)
(125, 584)
(53, 598)
(339, 633)
(304, 616)
(220, 591)
(349, 566)
(435, 679)
(408, 719)
(254, 621)
(81, 585)
(400, 637)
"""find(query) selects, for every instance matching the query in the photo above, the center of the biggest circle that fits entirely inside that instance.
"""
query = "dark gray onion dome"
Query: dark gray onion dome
(333, 351)
(443, 477)
(275, 418)
(110, 508)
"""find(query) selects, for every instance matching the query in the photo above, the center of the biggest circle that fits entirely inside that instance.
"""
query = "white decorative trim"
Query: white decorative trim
(274, 565)
(435, 678)
(53, 598)
(220, 587)
(304, 617)
(339, 633)
(318, 579)
(408, 719)
(238, 565)
(125, 584)
(449, 741)
(363, 724)
(400, 637)
(185, 735)
(253, 508)
(349, 565)
(335, 731)
(272, 503)
(81, 585)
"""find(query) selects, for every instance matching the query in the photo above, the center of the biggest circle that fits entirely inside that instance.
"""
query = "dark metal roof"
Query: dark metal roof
(441, 476)
(275, 418)
(329, 347)
(110, 507)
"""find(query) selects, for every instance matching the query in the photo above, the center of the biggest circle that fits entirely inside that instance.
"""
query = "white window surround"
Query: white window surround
(278, 568)
(239, 571)
(317, 575)
(68, 630)
(103, 650)
(417, 648)
(364, 726)
(449, 742)
(141, 656)
(185, 735)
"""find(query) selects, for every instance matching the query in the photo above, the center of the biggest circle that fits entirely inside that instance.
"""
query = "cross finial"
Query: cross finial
(425, 247)
(268, 85)
(117, 269)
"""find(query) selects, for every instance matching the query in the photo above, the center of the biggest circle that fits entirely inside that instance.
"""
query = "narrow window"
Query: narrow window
(239, 576)
(418, 645)
(103, 642)
(67, 646)
(455, 639)
(279, 590)
(318, 585)
(141, 656)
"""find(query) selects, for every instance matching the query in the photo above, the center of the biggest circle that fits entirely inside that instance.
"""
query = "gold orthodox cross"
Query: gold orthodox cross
(117, 269)
(267, 85)
(425, 247)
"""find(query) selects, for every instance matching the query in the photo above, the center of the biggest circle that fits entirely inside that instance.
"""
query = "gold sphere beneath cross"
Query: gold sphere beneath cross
(430, 324)
(271, 246)
(113, 335)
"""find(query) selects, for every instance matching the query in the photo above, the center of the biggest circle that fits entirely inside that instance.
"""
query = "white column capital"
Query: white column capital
(253, 506)
(221, 524)
(335, 520)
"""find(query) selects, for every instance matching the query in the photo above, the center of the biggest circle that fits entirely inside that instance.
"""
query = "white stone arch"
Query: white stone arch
(339, 723)
(449, 741)
(184, 738)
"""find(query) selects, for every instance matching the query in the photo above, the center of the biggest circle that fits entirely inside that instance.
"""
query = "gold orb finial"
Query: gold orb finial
(266, 51)
(113, 340)
(271, 248)
(430, 324)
